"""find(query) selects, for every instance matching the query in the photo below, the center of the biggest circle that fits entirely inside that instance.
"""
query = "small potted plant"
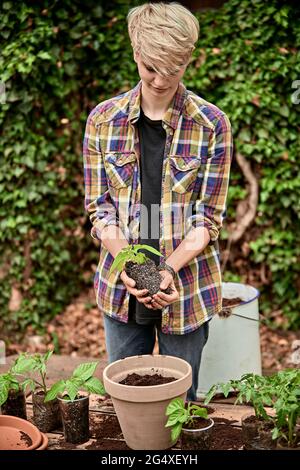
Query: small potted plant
(286, 396)
(12, 395)
(140, 405)
(189, 421)
(140, 268)
(257, 428)
(74, 405)
(33, 367)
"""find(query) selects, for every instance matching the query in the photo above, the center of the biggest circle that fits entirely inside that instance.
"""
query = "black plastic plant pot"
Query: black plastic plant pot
(75, 419)
(197, 438)
(46, 415)
(257, 433)
(15, 404)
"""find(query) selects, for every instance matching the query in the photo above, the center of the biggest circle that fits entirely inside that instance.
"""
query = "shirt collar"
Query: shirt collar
(172, 114)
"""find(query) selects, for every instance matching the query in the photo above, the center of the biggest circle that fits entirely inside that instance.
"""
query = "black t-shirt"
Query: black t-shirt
(152, 138)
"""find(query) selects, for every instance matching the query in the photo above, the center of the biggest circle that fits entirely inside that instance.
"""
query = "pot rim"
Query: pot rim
(73, 401)
(200, 429)
(152, 393)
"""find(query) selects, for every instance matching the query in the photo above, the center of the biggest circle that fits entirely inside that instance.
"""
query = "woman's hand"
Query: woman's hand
(160, 299)
(141, 295)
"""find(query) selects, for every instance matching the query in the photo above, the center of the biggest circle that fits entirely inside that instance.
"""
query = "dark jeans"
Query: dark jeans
(128, 339)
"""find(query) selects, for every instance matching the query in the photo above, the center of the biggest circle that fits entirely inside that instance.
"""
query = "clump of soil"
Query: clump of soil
(226, 437)
(146, 276)
(27, 439)
(146, 380)
(108, 427)
(108, 445)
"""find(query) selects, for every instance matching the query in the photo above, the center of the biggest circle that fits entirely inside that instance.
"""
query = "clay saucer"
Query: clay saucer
(44, 443)
(18, 434)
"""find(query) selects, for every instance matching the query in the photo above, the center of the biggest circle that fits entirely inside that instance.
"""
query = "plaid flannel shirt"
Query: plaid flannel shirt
(195, 177)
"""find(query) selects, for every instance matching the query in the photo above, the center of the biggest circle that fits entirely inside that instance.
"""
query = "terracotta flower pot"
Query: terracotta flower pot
(44, 443)
(15, 404)
(141, 409)
(46, 415)
(75, 419)
(197, 438)
(257, 434)
(18, 434)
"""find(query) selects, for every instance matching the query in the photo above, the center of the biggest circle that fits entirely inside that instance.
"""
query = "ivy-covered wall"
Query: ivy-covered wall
(58, 61)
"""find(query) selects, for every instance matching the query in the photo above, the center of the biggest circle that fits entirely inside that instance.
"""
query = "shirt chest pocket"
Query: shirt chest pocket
(119, 168)
(184, 172)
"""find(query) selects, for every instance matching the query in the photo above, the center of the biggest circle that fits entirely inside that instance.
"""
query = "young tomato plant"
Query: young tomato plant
(286, 396)
(81, 379)
(131, 253)
(179, 415)
(9, 382)
(252, 388)
(28, 364)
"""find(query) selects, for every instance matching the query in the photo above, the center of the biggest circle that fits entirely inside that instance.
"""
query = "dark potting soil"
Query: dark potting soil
(198, 423)
(146, 276)
(108, 445)
(46, 416)
(262, 423)
(223, 436)
(15, 404)
(27, 439)
(146, 380)
(75, 417)
(231, 302)
(226, 437)
(107, 427)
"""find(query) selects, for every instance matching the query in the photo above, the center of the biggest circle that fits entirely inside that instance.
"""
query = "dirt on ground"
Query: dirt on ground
(78, 331)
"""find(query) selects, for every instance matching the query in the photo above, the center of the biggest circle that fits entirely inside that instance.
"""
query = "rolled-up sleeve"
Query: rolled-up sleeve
(97, 203)
(210, 206)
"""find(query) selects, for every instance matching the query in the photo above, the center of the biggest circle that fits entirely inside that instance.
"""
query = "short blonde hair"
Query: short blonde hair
(163, 34)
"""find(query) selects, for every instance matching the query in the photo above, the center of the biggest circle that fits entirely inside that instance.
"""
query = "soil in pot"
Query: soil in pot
(257, 433)
(231, 302)
(15, 404)
(146, 276)
(196, 435)
(146, 380)
(45, 415)
(283, 445)
(75, 419)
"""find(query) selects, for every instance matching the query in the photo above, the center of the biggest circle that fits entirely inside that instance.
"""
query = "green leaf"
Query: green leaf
(94, 385)
(85, 371)
(202, 412)
(48, 355)
(150, 248)
(55, 390)
(175, 405)
(178, 416)
(175, 432)
(4, 389)
(118, 262)
(72, 389)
